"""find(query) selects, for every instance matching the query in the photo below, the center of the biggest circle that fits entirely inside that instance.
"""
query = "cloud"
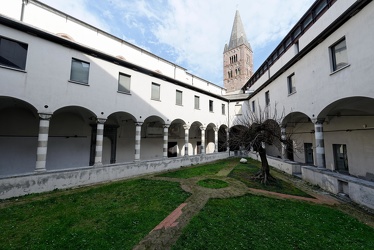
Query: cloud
(191, 33)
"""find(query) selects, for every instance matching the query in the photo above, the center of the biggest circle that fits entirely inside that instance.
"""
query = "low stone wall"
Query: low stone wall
(47, 181)
(360, 191)
(286, 166)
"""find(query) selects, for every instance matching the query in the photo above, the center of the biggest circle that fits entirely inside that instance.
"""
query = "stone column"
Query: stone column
(186, 136)
(166, 138)
(138, 130)
(284, 145)
(202, 140)
(99, 142)
(320, 143)
(215, 139)
(41, 152)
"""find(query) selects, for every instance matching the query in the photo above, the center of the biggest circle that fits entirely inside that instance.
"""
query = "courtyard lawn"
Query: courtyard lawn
(256, 222)
(112, 216)
(200, 170)
(245, 173)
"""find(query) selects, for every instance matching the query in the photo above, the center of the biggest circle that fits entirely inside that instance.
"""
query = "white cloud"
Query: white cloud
(192, 32)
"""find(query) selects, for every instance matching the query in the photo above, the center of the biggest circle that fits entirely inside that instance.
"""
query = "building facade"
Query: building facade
(81, 106)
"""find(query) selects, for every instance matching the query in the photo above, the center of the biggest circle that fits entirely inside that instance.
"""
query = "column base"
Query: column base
(98, 164)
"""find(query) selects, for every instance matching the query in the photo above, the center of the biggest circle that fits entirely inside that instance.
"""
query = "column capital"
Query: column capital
(166, 125)
(186, 127)
(138, 124)
(101, 120)
(44, 116)
(202, 128)
(215, 129)
(318, 120)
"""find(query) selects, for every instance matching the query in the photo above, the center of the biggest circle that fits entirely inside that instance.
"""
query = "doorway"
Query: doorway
(340, 157)
(308, 150)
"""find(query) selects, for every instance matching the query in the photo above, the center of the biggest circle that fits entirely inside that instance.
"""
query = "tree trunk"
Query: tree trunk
(265, 170)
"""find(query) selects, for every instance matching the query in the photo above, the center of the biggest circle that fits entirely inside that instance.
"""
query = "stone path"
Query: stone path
(168, 231)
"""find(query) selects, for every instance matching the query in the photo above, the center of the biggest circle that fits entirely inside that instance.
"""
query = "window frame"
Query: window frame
(158, 97)
(253, 106)
(181, 97)
(291, 84)
(24, 53)
(197, 98)
(223, 106)
(334, 63)
(267, 98)
(79, 81)
(129, 87)
(211, 106)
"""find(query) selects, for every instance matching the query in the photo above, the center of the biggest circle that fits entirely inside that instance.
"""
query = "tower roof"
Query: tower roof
(238, 36)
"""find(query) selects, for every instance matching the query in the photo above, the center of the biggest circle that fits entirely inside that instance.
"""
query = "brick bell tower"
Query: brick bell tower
(237, 58)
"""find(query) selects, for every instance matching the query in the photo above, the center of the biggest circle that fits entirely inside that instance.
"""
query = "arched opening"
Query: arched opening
(70, 137)
(176, 138)
(152, 135)
(195, 138)
(222, 138)
(210, 138)
(18, 136)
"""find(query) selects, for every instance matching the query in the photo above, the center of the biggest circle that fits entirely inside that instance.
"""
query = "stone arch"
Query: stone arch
(152, 138)
(300, 145)
(18, 136)
(70, 138)
(348, 131)
(210, 138)
(119, 138)
(194, 147)
(176, 138)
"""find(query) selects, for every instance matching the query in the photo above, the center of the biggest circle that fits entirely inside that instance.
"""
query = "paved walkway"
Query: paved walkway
(168, 231)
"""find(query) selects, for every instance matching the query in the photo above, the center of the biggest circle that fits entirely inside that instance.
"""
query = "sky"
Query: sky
(190, 33)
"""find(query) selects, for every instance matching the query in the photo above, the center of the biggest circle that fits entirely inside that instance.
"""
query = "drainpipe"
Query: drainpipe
(24, 3)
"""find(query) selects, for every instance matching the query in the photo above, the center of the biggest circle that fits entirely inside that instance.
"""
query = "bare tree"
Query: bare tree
(255, 130)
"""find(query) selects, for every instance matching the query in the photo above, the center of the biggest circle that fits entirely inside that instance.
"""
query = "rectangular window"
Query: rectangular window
(210, 105)
(267, 98)
(79, 71)
(197, 102)
(253, 106)
(13, 54)
(223, 109)
(155, 94)
(124, 83)
(339, 55)
(238, 109)
(291, 83)
(178, 97)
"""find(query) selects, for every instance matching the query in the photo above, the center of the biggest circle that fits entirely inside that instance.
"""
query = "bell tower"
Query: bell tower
(237, 58)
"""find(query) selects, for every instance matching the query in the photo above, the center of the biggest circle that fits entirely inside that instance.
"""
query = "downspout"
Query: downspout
(24, 3)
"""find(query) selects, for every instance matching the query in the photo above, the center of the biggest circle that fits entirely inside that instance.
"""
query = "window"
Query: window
(339, 55)
(253, 106)
(124, 83)
(155, 94)
(13, 54)
(238, 109)
(223, 109)
(197, 102)
(79, 71)
(210, 105)
(267, 98)
(178, 97)
(291, 84)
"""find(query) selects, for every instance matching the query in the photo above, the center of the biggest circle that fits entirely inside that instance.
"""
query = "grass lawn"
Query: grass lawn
(256, 222)
(199, 170)
(212, 183)
(112, 216)
(244, 173)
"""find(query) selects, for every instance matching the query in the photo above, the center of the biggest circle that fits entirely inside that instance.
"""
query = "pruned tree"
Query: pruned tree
(255, 130)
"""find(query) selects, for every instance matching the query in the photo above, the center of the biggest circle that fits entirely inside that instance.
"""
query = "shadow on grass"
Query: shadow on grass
(245, 173)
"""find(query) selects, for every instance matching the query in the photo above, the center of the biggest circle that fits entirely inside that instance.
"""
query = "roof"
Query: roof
(238, 36)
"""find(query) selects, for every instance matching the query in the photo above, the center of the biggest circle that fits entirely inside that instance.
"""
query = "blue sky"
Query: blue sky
(190, 33)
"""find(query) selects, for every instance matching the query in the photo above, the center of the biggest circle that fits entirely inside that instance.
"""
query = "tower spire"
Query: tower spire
(237, 58)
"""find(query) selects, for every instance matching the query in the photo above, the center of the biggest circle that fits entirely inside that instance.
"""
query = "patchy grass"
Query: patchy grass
(112, 216)
(200, 170)
(212, 183)
(245, 173)
(256, 222)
